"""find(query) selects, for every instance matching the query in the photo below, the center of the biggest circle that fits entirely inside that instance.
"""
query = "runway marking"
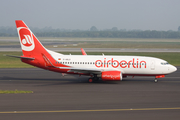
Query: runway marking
(98, 110)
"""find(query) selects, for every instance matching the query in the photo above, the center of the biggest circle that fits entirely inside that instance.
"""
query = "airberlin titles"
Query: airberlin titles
(135, 63)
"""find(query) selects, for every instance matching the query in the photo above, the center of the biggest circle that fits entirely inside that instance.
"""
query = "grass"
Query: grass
(14, 91)
(10, 62)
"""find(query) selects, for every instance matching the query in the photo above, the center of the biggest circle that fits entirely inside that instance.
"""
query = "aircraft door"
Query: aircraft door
(152, 65)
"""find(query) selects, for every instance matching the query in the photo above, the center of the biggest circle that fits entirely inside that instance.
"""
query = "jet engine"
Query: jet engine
(111, 76)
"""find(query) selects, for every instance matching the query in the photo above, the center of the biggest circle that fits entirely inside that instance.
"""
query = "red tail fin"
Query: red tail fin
(34, 53)
(29, 43)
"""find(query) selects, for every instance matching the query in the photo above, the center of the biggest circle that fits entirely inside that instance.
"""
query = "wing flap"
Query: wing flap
(83, 70)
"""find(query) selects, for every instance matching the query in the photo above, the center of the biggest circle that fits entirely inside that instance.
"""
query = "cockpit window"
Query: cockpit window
(164, 63)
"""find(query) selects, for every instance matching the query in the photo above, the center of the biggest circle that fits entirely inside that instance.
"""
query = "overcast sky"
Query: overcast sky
(82, 14)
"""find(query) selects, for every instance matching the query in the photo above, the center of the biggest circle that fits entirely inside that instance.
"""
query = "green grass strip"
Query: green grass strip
(14, 91)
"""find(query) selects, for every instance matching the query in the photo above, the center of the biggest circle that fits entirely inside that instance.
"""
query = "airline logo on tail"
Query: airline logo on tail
(26, 39)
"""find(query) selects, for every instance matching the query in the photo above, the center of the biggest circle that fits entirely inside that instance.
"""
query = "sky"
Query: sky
(82, 14)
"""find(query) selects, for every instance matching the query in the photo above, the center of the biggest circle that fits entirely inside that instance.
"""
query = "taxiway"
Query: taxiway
(72, 97)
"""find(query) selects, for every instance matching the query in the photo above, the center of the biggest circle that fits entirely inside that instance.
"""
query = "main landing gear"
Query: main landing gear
(93, 79)
(90, 80)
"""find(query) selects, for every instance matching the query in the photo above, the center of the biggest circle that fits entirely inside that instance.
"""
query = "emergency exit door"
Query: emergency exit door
(152, 65)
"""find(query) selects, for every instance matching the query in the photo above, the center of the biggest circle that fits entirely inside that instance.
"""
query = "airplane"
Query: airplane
(98, 67)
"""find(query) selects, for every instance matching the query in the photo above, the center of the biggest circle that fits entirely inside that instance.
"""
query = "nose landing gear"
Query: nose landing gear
(155, 80)
(160, 76)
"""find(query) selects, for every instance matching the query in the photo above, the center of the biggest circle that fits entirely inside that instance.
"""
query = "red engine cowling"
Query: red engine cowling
(111, 76)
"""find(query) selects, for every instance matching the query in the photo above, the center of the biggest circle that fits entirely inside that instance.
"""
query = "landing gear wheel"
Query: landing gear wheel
(90, 80)
(155, 80)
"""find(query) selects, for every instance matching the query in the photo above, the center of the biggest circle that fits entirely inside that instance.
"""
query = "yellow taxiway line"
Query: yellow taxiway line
(98, 110)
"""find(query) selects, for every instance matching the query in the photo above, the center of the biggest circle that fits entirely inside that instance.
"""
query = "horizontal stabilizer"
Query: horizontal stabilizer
(29, 58)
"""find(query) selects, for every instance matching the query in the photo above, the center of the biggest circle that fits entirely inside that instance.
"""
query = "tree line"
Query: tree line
(93, 33)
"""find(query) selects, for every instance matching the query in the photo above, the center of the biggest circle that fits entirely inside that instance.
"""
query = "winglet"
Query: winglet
(83, 52)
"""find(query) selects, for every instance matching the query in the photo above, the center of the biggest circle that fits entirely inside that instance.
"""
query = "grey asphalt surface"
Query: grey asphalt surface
(53, 92)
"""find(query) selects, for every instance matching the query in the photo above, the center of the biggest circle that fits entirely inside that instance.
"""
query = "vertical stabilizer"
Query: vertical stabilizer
(32, 48)
(29, 43)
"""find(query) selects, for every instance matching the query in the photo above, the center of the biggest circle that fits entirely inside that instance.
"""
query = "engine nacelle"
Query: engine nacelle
(111, 76)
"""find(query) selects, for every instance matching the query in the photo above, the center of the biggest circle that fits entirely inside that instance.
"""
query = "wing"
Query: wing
(83, 70)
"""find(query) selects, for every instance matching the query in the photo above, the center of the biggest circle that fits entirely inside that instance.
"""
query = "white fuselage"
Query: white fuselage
(128, 65)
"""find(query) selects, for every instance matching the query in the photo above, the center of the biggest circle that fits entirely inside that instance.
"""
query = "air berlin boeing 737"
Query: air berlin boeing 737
(111, 68)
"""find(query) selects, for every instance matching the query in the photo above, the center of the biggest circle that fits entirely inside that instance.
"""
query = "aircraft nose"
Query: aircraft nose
(173, 68)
